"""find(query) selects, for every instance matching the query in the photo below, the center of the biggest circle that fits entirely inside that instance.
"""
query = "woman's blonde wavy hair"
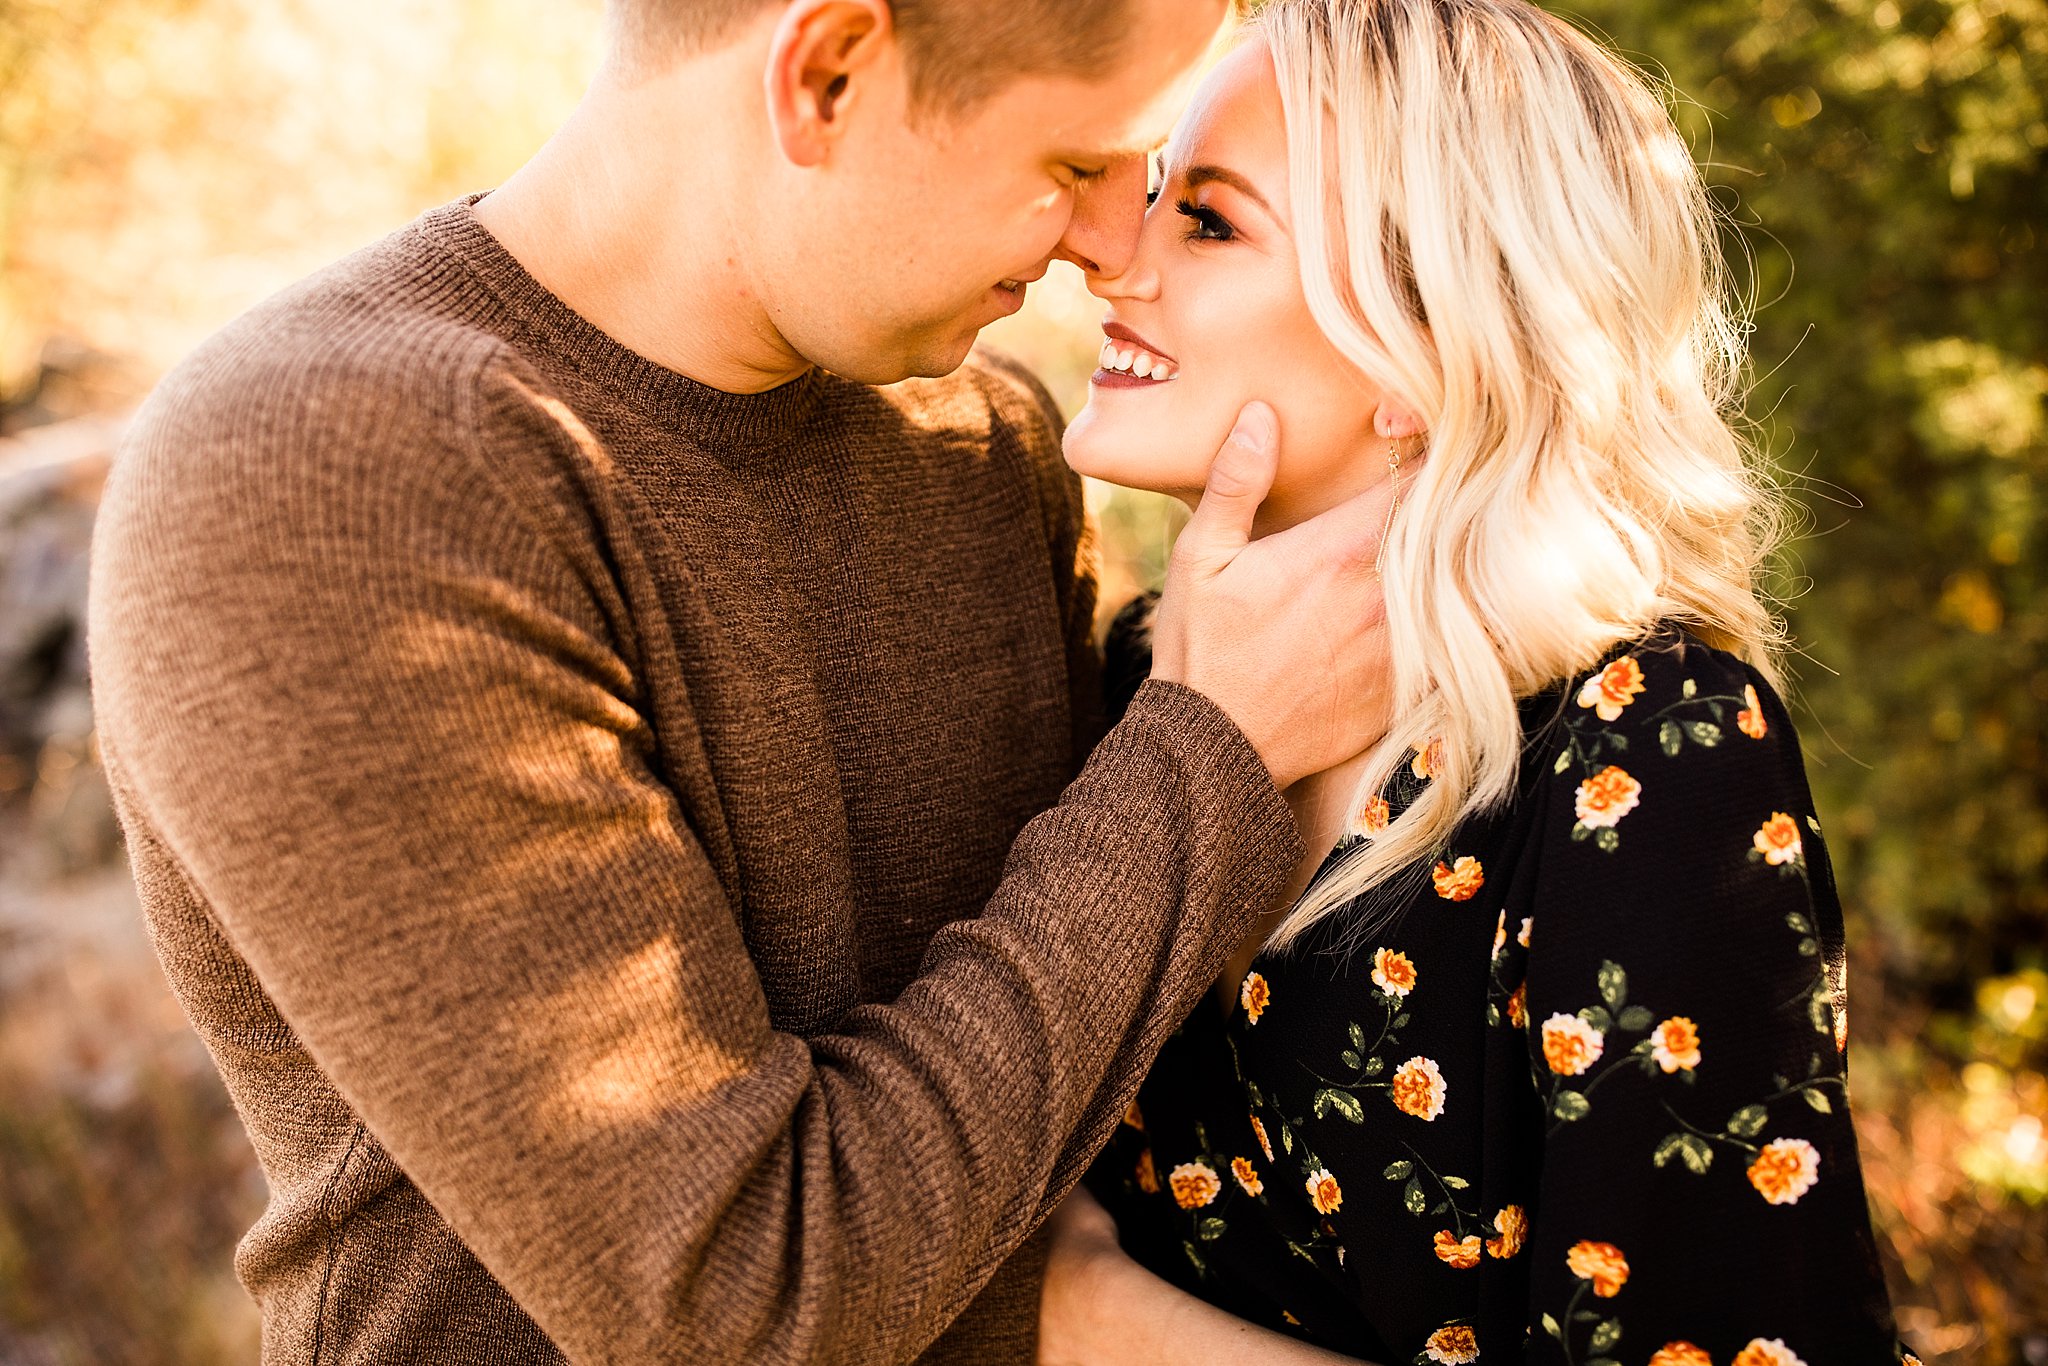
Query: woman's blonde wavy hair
(1500, 225)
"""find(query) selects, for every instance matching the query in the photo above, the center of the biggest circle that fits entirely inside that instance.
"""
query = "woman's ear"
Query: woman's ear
(1394, 421)
(822, 56)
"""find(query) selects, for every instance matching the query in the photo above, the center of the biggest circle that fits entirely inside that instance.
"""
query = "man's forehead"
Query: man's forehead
(1129, 114)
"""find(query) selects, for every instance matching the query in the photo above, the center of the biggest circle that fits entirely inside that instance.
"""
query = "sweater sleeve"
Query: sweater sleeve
(1700, 1196)
(380, 713)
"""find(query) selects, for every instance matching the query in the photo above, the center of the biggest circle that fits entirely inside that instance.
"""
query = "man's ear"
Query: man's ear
(821, 61)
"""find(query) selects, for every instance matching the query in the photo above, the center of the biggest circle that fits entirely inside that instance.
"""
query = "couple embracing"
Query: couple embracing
(602, 692)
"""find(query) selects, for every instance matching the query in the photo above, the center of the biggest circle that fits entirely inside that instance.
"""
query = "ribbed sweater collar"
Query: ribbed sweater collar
(711, 417)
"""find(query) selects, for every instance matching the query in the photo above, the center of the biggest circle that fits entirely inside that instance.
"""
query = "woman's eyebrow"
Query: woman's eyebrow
(1196, 176)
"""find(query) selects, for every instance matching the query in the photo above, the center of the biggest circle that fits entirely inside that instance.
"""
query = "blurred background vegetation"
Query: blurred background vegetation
(164, 163)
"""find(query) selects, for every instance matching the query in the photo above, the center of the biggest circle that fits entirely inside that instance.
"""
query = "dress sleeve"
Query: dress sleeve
(1700, 1198)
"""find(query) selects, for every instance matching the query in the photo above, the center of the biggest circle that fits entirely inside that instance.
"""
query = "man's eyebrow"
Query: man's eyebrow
(1196, 176)
(1137, 149)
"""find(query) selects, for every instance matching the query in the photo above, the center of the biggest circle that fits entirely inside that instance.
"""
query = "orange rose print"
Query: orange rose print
(1392, 972)
(1265, 1144)
(1500, 933)
(1785, 1170)
(1750, 720)
(1456, 1346)
(1767, 1353)
(1462, 1253)
(1428, 761)
(1518, 1007)
(1372, 818)
(1247, 1175)
(1523, 937)
(1613, 688)
(1323, 1191)
(1908, 1359)
(1418, 1088)
(1254, 996)
(1841, 1028)
(1512, 1224)
(1459, 881)
(1680, 1354)
(1778, 839)
(1606, 797)
(1600, 1263)
(1148, 1175)
(1134, 1117)
(1570, 1045)
(1676, 1044)
(1194, 1184)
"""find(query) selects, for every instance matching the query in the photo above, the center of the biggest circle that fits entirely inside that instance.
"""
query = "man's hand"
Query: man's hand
(1287, 634)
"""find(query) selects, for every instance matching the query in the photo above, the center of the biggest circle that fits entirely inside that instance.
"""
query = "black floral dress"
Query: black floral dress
(1582, 1099)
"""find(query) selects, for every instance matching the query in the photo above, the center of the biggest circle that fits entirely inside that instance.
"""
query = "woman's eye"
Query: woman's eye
(1085, 176)
(1155, 179)
(1204, 223)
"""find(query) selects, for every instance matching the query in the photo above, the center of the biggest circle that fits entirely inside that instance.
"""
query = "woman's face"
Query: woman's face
(1213, 301)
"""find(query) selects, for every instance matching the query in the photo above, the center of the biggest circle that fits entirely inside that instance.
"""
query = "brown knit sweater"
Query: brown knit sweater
(595, 823)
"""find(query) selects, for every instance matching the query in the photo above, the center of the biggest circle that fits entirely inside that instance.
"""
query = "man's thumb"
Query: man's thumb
(1238, 482)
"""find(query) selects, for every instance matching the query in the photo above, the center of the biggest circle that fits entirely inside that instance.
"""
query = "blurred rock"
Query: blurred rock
(50, 482)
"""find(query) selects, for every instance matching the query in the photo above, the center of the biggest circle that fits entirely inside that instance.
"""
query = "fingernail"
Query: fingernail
(1256, 427)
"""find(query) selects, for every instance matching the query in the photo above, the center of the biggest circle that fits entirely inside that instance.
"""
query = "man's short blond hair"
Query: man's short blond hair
(960, 51)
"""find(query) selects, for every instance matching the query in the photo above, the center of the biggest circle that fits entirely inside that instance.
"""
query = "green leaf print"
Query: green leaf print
(1210, 1230)
(1671, 738)
(1413, 1198)
(1342, 1102)
(1698, 1156)
(1817, 1100)
(1704, 733)
(1399, 1171)
(1606, 1336)
(1613, 984)
(1635, 1018)
(1748, 1122)
(1571, 1105)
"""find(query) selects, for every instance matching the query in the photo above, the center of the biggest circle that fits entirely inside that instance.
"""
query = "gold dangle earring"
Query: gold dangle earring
(1393, 501)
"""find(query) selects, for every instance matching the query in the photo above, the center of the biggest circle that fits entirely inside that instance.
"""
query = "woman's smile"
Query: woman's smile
(1128, 361)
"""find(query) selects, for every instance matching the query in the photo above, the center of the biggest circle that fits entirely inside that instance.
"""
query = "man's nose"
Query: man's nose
(1109, 216)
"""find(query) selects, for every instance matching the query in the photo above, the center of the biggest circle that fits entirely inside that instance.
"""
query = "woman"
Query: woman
(1547, 1063)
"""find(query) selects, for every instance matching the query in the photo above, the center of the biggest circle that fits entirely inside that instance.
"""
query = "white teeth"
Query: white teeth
(1132, 361)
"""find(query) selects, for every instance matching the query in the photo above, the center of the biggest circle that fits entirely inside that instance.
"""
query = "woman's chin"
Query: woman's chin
(1105, 449)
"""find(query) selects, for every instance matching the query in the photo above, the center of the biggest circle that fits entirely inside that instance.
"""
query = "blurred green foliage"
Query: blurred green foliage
(1883, 160)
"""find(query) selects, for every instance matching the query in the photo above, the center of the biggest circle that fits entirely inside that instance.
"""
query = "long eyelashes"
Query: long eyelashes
(1204, 223)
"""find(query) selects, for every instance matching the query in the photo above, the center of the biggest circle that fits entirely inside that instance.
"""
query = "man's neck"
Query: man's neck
(597, 217)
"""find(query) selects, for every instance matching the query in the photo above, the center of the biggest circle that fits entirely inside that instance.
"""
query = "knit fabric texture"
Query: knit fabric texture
(633, 850)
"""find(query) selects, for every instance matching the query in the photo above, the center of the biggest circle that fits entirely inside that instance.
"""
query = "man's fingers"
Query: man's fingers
(1238, 482)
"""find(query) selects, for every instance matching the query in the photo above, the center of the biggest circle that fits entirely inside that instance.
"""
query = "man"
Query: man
(580, 746)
